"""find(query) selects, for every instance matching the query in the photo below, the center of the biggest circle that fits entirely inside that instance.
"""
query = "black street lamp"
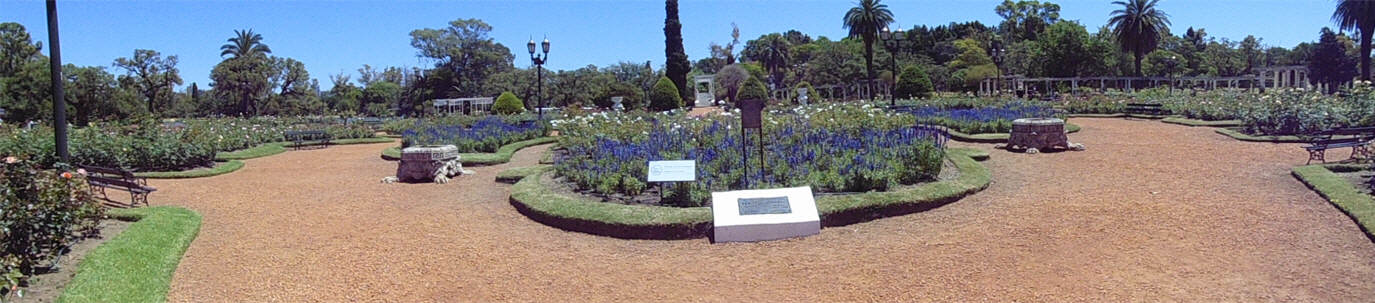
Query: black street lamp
(997, 52)
(539, 60)
(892, 40)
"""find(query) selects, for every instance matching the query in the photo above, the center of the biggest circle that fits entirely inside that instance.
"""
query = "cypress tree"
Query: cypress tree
(677, 60)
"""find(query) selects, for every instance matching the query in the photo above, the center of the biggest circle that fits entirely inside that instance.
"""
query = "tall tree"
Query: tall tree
(864, 21)
(16, 48)
(1138, 25)
(89, 91)
(677, 65)
(245, 43)
(1330, 62)
(464, 56)
(1358, 15)
(153, 74)
(1025, 19)
(1252, 53)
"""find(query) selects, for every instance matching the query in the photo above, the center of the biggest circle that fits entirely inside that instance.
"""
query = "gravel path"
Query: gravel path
(1150, 212)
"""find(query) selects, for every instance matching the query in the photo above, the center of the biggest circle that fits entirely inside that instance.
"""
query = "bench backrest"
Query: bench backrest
(1354, 131)
(1144, 105)
(96, 171)
(116, 182)
(305, 133)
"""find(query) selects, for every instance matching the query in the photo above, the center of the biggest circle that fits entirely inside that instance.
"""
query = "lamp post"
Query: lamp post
(891, 41)
(55, 63)
(1173, 63)
(997, 52)
(539, 61)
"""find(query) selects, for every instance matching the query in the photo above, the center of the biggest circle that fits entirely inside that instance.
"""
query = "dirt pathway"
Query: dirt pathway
(1151, 212)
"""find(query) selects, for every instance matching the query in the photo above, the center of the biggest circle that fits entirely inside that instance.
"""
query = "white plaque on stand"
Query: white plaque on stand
(672, 171)
(764, 214)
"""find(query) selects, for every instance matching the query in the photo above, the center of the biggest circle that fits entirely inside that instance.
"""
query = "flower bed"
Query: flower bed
(152, 146)
(41, 213)
(833, 148)
(980, 120)
(484, 135)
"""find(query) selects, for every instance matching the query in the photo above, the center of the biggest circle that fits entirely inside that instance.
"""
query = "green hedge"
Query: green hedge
(1356, 204)
(532, 197)
(514, 174)
(1070, 128)
(1244, 137)
(219, 169)
(502, 155)
(1194, 122)
(137, 264)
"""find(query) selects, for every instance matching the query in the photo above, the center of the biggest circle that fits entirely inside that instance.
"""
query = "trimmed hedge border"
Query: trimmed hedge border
(1207, 123)
(1116, 115)
(136, 265)
(219, 169)
(1341, 193)
(1070, 128)
(514, 174)
(502, 155)
(535, 200)
(1272, 139)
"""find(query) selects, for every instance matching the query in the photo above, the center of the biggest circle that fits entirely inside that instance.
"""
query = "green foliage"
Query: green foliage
(41, 213)
(754, 89)
(486, 134)
(1330, 63)
(913, 83)
(508, 104)
(379, 97)
(676, 63)
(1138, 26)
(664, 96)
(149, 249)
(812, 95)
(632, 99)
(464, 56)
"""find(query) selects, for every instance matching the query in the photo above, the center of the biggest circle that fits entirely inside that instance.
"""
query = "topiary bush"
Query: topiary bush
(664, 96)
(913, 83)
(508, 104)
(753, 90)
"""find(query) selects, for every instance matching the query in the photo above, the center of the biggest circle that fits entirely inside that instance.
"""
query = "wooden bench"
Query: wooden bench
(372, 122)
(1357, 138)
(298, 138)
(102, 178)
(1154, 109)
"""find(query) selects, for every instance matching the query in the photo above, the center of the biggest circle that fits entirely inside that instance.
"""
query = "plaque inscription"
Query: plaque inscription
(764, 206)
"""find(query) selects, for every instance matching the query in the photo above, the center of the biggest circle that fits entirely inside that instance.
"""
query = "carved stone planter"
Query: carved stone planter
(429, 163)
(1039, 134)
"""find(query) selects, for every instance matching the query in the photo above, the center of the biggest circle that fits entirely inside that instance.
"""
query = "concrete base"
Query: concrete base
(731, 226)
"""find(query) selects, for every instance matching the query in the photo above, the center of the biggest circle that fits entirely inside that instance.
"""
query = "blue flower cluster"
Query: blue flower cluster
(979, 120)
(485, 135)
(796, 152)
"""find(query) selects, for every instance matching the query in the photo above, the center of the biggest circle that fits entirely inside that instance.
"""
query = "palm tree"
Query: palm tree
(776, 57)
(1359, 15)
(864, 21)
(245, 43)
(1138, 26)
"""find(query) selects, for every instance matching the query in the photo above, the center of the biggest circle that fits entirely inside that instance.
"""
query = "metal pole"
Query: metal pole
(59, 100)
(539, 84)
(893, 98)
(744, 157)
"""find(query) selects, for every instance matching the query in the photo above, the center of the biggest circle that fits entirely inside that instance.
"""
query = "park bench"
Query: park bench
(298, 138)
(1153, 109)
(102, 178)
(371, 122)
(1357, 138)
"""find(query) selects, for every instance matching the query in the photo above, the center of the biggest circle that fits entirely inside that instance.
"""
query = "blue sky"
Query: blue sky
(340, 36)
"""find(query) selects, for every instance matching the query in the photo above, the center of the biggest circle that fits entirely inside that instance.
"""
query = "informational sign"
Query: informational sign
(750, 111)
(672, 171)
(764, 206)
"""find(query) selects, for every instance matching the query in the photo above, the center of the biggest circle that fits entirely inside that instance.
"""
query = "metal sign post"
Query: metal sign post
(751, 117)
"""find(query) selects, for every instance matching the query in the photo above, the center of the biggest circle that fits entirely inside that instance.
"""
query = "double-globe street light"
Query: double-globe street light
(891, 41)
(539, 60)
(997, 51)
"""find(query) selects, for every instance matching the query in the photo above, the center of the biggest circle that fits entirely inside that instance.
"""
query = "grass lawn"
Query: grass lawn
(263, 150)
(514, 174)
(136, 265)
(1194, 122)
(219, 169)
(1356, 204)
(1236, 134)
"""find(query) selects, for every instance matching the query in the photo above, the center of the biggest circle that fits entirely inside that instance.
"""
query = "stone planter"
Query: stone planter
(1039, 134)
(429, 163)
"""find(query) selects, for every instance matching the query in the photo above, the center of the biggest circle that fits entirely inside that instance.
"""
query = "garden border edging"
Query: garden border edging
(532, 198)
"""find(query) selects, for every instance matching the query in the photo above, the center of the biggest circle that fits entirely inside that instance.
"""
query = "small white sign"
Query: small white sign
(672, 171)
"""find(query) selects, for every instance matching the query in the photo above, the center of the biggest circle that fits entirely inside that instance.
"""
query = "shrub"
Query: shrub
(664, 96)
(41, 213)
(508, 104)
(753, 90)
(913, 83)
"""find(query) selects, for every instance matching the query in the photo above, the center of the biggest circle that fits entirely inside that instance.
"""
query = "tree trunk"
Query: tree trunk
(869, 63)
(1137, 55)
(1365, 51)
